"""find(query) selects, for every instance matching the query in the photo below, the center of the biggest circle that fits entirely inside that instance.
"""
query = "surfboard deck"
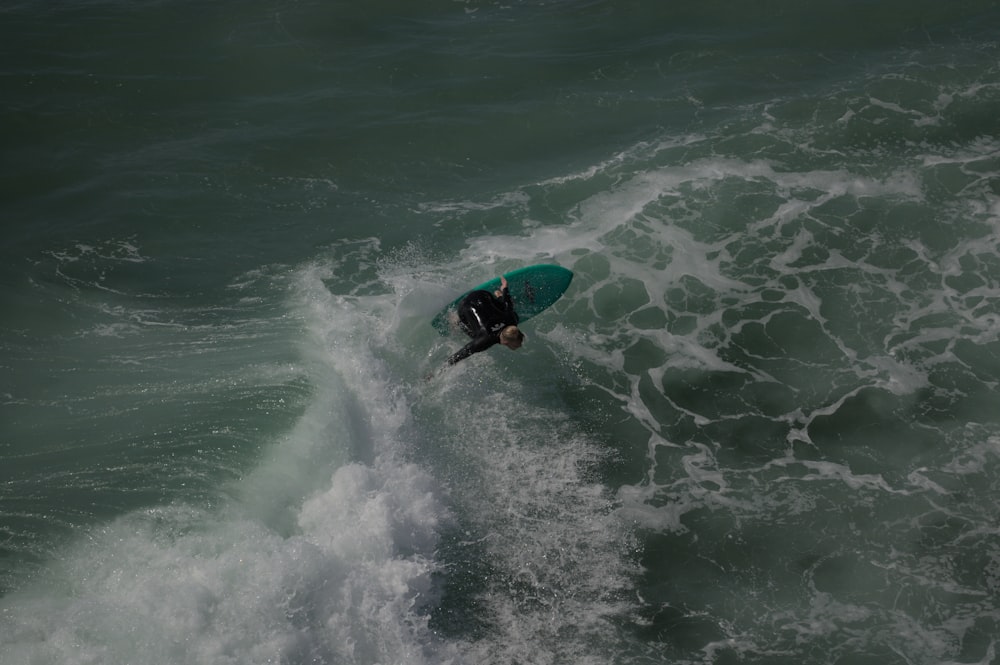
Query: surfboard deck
(533, 290)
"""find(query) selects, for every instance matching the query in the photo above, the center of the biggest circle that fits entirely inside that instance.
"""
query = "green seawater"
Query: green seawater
(760, 427)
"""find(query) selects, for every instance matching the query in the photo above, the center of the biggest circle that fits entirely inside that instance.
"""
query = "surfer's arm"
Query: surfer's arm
(478, 344)
(502, 292)
(506, 303)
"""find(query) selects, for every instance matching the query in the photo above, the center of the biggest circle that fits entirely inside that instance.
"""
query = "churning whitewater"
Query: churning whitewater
(759, 427)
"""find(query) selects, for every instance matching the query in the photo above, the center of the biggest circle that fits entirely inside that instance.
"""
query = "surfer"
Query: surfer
(489, 319)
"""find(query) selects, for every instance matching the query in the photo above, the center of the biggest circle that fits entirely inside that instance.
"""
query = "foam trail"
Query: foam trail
(533, 515)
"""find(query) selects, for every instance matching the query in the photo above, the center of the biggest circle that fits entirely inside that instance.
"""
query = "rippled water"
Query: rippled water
(761, 425)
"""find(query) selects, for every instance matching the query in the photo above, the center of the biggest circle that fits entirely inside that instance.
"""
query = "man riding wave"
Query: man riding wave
(489, 319)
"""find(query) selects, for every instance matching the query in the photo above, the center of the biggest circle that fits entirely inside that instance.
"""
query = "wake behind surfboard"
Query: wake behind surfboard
(533, 290)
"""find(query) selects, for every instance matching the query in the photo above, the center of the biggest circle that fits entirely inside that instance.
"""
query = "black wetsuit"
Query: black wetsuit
(482, 316)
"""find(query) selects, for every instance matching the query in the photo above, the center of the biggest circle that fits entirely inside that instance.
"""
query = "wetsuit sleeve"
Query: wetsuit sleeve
(508, 306)
(475, 346)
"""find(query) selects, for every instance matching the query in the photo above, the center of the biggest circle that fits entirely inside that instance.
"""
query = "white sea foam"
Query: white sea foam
(330, 548)
(327, 551)
(644, 238)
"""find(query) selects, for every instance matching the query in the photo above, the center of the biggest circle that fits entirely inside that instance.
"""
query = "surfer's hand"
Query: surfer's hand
(503, 283)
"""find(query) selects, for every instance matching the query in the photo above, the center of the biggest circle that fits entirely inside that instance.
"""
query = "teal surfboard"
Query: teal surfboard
(533, 290)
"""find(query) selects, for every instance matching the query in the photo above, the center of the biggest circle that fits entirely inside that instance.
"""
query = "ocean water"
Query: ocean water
(761, 426)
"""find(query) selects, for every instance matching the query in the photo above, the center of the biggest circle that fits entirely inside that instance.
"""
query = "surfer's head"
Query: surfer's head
(512, 337)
